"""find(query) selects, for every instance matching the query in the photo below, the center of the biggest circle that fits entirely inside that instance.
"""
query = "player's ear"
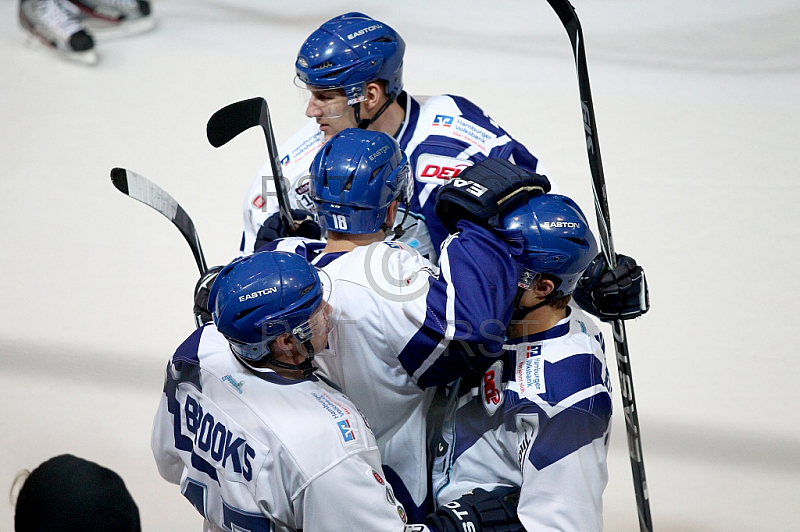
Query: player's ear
(375, 94)
(282, 345)
(544, 287)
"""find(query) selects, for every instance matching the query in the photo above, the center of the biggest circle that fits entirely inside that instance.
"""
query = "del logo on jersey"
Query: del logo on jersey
(438, 169)
(492, 387)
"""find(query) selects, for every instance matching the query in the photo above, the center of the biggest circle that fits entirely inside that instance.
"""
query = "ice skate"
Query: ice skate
(55, 24)
(108, 19)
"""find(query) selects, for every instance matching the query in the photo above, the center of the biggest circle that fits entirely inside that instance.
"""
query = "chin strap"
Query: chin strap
(363, 123)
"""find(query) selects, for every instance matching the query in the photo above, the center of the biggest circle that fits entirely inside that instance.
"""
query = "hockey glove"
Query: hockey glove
(479, 511)
(273, 229)
(484, 190)
(202, 314)
(617, 294)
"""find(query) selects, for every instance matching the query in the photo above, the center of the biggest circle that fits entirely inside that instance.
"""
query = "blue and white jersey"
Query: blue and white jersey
(254, 451)
(539, 418)
(441, 135)
(395, 319)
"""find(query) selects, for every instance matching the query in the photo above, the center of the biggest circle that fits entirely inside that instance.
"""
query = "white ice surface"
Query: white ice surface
(698, 111)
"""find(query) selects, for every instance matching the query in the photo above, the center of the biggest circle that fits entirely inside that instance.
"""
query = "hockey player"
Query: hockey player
(352, 67)
(69, 26)
(253, 438)
(399, 330)
(538, 419)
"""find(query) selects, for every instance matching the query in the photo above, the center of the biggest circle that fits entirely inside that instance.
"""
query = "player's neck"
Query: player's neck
(391, 120)
(536, 321)
(345, 242)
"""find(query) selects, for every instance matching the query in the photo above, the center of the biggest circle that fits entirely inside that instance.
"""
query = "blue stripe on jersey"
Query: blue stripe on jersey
(187, 351)
(571, 375)
(570, 430)
(412, 116)
(323, 260)
(416, 514)
(423, 343)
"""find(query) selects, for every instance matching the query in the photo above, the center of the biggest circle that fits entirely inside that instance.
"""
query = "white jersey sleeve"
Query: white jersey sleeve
(254, 451)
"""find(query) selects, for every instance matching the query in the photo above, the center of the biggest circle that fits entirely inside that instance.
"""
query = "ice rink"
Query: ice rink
(698, 112)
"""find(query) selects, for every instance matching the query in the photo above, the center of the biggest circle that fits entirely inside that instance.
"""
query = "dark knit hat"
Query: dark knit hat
(67, 493)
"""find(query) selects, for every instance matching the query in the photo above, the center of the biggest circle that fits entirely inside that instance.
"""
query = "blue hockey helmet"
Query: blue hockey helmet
(349, 51)
(557, 239)
(355, 176)
(259, 297)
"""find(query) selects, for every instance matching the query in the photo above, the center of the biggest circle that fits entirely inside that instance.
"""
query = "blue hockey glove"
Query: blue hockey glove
(273, 229)
(618, 294)
(484, 190)
(479, 511)
(202, 314)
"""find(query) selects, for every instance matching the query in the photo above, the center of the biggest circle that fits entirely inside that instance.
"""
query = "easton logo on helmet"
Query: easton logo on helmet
(381, 151)
(362, 32)
(253, 295)
(571, 225)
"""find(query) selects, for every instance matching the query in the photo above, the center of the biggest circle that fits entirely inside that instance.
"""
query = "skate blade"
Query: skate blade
(103, 30)
(89, 57)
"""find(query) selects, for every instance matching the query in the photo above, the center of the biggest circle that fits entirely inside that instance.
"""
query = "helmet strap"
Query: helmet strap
(364, 123)
(304, 366)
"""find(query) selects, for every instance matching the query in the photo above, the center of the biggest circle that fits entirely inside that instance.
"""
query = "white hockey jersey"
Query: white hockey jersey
(441, 135)
(394, 321)
(257, 452)
(539, 419)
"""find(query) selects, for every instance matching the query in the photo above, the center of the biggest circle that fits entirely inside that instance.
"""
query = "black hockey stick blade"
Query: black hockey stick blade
(238, 117)
(569, 18)
(228, 122)
(142, 189)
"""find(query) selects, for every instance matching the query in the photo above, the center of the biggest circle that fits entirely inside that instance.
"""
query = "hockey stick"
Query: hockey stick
(142, 189)
(569, 19)
(237, 117)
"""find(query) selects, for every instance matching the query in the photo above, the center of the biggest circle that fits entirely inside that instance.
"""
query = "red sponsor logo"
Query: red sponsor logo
(377, 476)
(490, 392)
(258, 201)
(442, 172)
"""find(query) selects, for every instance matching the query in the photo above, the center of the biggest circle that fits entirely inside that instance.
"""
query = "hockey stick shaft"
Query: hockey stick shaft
(233, 119)
(569, 19)
(142, 189)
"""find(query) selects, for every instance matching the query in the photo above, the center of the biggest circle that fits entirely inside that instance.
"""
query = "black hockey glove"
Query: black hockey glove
(617, 294)
(479, 511)
(273, 228)
(484, 190)
(202, 314)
